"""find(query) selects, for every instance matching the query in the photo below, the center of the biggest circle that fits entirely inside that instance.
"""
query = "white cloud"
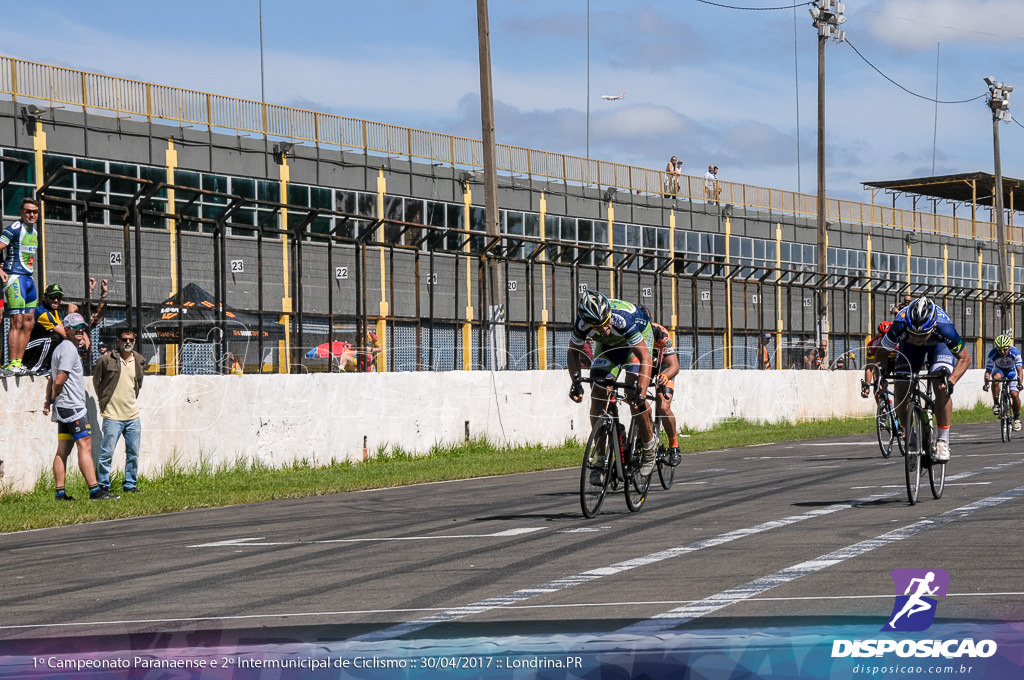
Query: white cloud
(919, 24)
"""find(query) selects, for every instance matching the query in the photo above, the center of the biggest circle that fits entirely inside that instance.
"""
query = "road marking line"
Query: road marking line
(666, 621)
(251, 541)
(592, 575)
(513, 598)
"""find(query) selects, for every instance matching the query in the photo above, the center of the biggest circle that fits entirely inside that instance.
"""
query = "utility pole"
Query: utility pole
(999, 102)
(495, 273)
(826, 17)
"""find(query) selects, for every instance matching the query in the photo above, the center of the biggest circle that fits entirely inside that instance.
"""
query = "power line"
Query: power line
(919, 96)
(756, 9)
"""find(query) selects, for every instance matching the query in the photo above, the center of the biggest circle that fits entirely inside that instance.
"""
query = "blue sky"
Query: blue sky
(707, 83)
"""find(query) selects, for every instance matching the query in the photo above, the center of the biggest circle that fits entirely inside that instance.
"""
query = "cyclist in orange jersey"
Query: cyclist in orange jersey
(666, 367)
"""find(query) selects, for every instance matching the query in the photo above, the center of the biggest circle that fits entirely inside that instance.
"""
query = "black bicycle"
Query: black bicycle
(612, 457)
(921, 435)
(1005, 404)
(887, 426)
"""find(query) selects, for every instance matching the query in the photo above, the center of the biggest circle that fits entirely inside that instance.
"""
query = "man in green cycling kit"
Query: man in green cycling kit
(623, 338)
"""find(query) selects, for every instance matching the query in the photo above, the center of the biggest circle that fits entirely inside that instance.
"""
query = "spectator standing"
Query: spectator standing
(65, 393)
(764, 357)
(820, 360)
(118, 379)
(20, 241)
(672, 173)
(712, 190)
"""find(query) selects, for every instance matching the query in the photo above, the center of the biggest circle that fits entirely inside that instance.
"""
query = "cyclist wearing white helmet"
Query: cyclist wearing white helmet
(1005, 360)
(923, 331)
(622, 332)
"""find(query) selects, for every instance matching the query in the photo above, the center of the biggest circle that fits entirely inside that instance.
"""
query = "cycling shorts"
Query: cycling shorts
(608, 361)
(668, 389)
(1010, 375)
(20, 294)
(76, 429)
(937, 357)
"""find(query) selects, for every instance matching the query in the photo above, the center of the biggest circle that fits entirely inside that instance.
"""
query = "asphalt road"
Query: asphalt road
(781, 534)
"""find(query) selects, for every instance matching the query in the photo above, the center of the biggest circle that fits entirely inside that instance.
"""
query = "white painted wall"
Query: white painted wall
(322, 417)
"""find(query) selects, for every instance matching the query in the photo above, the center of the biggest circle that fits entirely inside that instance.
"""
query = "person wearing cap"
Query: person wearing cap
(65, 394)
(18, 244)
(47, 332)
(117, 378)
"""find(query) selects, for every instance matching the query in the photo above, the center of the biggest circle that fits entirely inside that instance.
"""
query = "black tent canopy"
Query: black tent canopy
(967, 187)
(197, 316)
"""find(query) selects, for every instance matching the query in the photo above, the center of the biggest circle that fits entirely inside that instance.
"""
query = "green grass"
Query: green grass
(178, 488)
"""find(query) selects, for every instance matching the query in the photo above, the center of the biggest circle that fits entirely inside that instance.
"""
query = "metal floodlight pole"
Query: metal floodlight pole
(826, 15)
(999, 102)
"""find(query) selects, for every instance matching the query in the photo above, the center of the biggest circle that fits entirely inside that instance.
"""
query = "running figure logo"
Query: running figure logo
(914, 610)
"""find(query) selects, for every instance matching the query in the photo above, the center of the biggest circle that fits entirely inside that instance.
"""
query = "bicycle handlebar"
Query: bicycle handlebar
(619, 385)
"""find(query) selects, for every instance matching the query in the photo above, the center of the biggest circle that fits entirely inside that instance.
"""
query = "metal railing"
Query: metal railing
(155, 103)
(716, 308)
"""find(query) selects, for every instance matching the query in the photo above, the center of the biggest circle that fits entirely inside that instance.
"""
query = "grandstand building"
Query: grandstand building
(301, 227)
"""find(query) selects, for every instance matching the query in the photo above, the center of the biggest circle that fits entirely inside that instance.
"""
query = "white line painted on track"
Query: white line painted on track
(518, 596)
(251, 541)
(383, 612)
(855, 443)
(671, 619)
(516, 599)
(592, 575)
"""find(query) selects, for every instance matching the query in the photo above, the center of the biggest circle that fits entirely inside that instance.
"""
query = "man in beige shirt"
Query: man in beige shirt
(117, 378)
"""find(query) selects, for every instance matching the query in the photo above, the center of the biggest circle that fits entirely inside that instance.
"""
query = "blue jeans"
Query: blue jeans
(112, 429)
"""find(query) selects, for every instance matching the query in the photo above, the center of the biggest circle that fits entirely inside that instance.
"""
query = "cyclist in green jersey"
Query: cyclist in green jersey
(623, 339)
(18, 244)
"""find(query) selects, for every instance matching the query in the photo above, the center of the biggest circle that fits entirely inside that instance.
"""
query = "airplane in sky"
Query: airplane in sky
(612, 97)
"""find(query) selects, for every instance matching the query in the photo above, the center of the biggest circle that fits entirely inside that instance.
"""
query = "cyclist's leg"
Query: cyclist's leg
(909, 359)
(870, 377)
(997, 386)
(602, 367)
(940, 359)
(1014, 395)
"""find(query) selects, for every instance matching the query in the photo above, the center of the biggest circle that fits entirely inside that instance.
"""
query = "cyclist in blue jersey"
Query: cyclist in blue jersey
(1005, 361)
(921, 332)
(18, 244)
(623, 337)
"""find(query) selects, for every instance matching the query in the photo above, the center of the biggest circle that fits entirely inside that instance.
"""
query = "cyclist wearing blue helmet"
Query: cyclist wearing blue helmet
(923, 331)
(624, 338)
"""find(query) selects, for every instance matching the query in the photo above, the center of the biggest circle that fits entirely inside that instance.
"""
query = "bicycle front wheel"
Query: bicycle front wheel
(1007, 410)
(884, 430)
(596, 468)
(915, 448)
(937, 478)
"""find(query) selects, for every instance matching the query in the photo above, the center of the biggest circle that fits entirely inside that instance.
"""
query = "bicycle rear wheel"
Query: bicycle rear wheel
(636, 485)
(666, 473)
(596, 459)
(915, 447)
(884, 430)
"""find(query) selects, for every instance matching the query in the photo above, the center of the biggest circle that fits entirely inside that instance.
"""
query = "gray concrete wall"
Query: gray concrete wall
(218, 420)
